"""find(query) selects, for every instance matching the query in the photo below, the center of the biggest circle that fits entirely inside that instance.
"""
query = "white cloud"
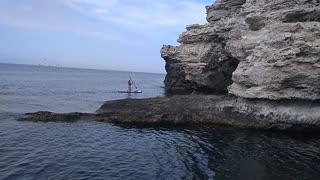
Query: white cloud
(141, 17)
(147, 18)
(100, 5)
(35, 17)
(142, 12)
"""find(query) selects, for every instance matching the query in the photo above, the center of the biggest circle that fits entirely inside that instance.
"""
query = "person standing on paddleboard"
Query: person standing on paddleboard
(129, 85)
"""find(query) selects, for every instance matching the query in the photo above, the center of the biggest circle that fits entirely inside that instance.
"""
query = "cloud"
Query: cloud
(41, 17)
(142, 12)
(103, 19)
(144, 18)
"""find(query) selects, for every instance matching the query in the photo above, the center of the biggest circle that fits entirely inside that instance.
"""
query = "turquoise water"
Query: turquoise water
(92, 150)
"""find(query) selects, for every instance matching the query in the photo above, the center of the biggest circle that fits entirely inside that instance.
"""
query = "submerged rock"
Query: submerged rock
(200, 109)
(46, 116)
(263, 49)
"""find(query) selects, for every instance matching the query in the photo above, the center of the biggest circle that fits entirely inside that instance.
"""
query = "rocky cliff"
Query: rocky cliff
(267, 49)
(264, 52)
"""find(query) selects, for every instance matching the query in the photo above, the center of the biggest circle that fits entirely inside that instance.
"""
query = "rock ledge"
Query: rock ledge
(200, 109)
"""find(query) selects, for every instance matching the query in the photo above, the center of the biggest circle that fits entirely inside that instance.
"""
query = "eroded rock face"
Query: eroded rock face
(276, 42)
(279, 50)
(201, 62)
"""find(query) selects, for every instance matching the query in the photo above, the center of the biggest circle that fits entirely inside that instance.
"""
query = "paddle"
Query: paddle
(133, 83)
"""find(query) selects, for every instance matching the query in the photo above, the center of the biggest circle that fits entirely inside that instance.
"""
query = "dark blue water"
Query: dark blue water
(91, 150)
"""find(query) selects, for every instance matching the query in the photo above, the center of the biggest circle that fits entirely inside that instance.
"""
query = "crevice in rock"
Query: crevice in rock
(218, 75)
(302, 16)
(302, 54)
(255, 23)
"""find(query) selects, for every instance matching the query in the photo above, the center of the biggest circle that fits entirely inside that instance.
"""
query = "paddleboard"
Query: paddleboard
(132, 92)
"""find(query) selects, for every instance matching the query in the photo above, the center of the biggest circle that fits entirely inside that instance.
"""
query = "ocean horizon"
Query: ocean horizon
(74, 68)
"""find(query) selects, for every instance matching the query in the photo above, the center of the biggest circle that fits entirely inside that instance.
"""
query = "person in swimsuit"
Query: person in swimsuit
(129, 85)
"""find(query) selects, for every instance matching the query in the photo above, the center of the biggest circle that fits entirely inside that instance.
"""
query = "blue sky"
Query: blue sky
(101, 34)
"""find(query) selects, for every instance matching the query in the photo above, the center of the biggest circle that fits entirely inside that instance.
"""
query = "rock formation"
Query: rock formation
(266, 53)
(254, 48)
(200, 109)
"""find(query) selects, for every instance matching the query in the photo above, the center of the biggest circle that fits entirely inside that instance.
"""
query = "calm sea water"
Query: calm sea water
(92, 150)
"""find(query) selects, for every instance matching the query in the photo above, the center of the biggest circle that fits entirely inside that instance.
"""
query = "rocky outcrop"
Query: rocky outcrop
(266, 53)
(254, 48)
(200, 109)
(201, 62)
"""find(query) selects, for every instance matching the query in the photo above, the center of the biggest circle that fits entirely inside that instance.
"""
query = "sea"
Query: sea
(98, 151)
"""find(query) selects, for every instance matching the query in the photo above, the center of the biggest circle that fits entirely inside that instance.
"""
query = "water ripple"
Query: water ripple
(102, 151)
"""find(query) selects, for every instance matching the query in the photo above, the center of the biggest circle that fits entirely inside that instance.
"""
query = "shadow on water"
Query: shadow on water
(232, 153)
(102, 150)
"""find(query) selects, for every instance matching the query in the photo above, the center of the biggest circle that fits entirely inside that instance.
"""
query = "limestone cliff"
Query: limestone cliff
(252, 49)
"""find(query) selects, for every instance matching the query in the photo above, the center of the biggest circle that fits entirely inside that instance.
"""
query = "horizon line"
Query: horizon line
(80, 68)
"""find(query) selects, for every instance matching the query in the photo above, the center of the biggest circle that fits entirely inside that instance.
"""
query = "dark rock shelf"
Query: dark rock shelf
(200, 109)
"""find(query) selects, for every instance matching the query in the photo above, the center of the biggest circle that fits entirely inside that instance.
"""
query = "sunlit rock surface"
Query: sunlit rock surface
(254, 48)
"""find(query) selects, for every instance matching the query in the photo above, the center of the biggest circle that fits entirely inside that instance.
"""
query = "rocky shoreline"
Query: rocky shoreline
(264, 56)
(200, 109)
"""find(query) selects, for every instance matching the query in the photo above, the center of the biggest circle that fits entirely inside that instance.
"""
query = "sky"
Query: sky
(122, 35)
